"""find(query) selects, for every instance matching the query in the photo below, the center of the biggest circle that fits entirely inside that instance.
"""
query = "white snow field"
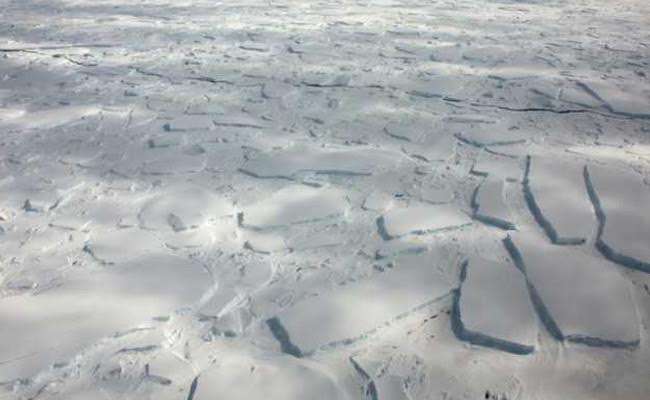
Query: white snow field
(291, 199)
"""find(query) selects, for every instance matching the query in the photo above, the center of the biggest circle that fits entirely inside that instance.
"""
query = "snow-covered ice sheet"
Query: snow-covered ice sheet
(268, 198)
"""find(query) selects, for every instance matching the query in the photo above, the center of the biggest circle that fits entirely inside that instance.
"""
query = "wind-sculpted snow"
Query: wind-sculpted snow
(578, 297)
(492, 307)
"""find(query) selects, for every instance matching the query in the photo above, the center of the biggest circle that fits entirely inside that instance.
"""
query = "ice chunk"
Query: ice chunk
(412, 129)
(489, 205)
(579, 297)
(264, 242)
(294, 204)
(498, 167)
(121, 245)
(421, 219)
(183, 208)
(557, 197)
(437, 87)
(377, 201)
(492, 307)
(171, 162)
(621, 201)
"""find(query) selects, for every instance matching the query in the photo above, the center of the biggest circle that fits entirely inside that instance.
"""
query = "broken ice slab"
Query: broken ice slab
(55, 325)
(433, 194)
(326, 160)
(578, 297)
(186, 207)
(165, 376)
(358, 308)
(377, 201)
(390, 387)
(276, 89)
(613, 153)
(172, 161)
(412, 128)
(294, 204)
(498, 167)
(582, 95)
(324, 237)
(326, 81)
(435, 147)
(480, 130)
(621, 201)
(485, 134)
(70, 221)
(420, 219)
(264, 243)
(469, 119)
(120, 245)
(238, 376)
(489, 205)
(255, 46)
(437, 87)
(628, 101)
(189, 123)
(558, 198)
(492, 307)
(241, 120)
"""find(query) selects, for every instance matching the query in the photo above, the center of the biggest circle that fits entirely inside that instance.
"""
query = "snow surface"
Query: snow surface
(292, 199)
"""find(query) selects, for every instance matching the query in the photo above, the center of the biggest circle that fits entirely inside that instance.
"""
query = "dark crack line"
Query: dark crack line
(211, 80)
(192, 392)
(370, 389)
(611, 114)
(281, 335)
